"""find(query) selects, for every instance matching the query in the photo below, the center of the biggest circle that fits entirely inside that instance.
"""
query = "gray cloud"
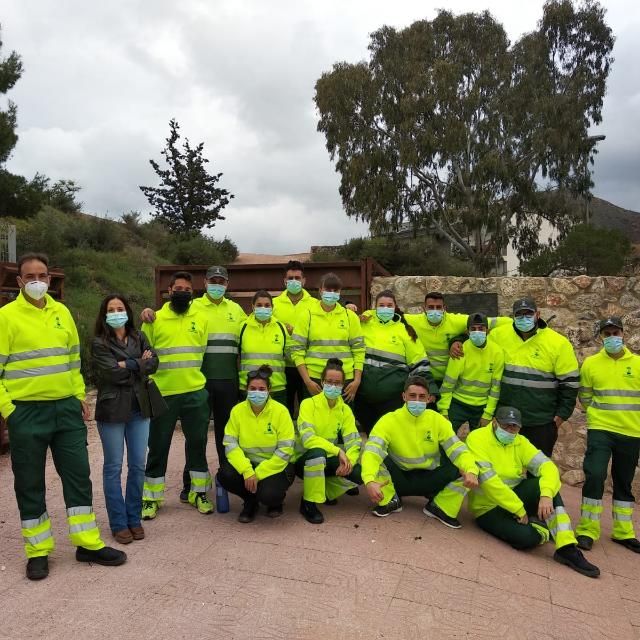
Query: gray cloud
(102, 80)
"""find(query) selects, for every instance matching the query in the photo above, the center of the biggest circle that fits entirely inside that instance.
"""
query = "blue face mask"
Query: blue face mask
(613, 344)
(117, 319)
(416, 407)
(434, 316)
(478, 338)
(330, 297)
(263, 313)
(257, 398)
(294, 286)
(216, 291)
(525, 323)
(503, 436)
(385, 313)
(332, 391)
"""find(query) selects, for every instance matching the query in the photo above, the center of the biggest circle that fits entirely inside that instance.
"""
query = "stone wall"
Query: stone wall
(572, 305)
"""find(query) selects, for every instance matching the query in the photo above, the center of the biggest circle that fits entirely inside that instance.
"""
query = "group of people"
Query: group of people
(306, 387)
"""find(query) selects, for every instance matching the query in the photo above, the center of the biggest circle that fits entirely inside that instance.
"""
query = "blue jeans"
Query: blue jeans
(124, 512)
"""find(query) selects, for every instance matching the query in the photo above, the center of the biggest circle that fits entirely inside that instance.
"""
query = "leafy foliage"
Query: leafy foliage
(585, 250)
(188, 199)
(449, 128)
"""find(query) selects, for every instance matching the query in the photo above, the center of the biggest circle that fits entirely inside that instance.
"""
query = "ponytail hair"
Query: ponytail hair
(387, 293)
(333, 364)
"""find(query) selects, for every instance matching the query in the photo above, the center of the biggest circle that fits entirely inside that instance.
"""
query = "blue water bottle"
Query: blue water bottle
(222, 498)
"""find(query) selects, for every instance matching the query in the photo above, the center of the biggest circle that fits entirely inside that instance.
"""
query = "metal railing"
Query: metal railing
(7, 242)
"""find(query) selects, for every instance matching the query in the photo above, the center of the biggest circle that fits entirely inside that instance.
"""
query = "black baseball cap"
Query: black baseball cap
(477, 318)
(509, 415)
(524, 304)
(217, 272)
(613, 321)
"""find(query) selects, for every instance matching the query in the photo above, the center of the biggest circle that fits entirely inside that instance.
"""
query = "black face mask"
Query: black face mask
(180, 301)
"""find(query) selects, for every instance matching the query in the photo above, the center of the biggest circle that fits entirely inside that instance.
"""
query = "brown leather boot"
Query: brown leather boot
(123, 537)
(137, 533)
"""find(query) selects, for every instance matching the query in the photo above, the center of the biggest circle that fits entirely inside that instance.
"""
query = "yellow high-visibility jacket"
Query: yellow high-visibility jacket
(413, 443)
(39, 353)
(391, 356)
(610, 392)
(263, 344)
(320, 335)
(261, 444)
(323, 427)
(286, 312)
(541, 375)
(179, 340)
(225, 320)
(474, 379)
(503, 467)
(436, 338)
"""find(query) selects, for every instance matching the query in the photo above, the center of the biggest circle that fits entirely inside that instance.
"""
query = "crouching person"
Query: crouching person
(258, 441)
(330, 445)
(523, 511)
(402, 457)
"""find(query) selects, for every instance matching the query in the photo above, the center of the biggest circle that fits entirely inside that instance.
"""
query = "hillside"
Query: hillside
(608, 215)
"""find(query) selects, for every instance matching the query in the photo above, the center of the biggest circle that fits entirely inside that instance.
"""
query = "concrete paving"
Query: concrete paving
(356, 576)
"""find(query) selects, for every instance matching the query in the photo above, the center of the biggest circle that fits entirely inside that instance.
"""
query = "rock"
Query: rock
(582, 282)
(614, 283)
(555, 300)
(563, 285)
(573, 478)
(628, 301)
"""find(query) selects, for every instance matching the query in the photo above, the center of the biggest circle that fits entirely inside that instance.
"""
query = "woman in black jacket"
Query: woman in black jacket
(122, 361)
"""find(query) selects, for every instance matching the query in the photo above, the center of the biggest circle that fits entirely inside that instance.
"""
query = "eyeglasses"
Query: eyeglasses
(263, 375)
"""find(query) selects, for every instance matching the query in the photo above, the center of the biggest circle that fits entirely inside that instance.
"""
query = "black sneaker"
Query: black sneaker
(432, 510)
(184, 496)
(274, 512)
(249, 511)
(630, 543)
(572, 557)
(331, 503)
(38, 568)
(311, 512)
(585, 543)
(107, 556)
(353, 492)
(393, 506)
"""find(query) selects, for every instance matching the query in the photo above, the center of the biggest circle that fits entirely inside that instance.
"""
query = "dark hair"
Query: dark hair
(264, 372)
(180, 275)
(262, 293)
(333, 364)
(330, 280)
(27, 257)
(434, 295)
(102, 329)
(387, 293)
(418, 381)
(294, 265)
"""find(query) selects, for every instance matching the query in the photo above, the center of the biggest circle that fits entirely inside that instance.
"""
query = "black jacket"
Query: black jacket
(116, 385)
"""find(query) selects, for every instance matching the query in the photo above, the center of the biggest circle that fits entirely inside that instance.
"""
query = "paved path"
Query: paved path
(207, 577)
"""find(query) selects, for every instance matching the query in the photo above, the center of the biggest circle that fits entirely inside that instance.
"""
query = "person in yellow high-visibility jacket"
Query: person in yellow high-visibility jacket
(179, 337)
(263, 340)
(610, 392)
(471, 386)
(328, 446)
(42, 397)
(286, 307)
(393, 353)
(518, 500)
(259, 440)
(326, 330)
(402, 457)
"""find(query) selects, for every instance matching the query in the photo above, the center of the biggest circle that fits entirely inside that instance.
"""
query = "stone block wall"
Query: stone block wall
(571, 305)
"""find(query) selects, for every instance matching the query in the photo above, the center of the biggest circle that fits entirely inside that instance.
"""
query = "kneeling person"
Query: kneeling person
(402, 457)
(258, 441)
(523, 511)
(327, 468)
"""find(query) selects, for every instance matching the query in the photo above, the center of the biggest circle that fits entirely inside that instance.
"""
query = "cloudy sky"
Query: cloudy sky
(102, 80)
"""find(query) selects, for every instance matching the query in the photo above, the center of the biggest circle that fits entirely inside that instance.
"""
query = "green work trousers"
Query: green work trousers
(460, 412)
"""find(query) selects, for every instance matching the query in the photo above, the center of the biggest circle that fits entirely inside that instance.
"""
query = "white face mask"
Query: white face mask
(36, 289)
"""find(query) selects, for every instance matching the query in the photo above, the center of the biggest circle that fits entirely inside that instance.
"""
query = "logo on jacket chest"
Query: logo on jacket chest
(490, 368)
(57, 324)
(428, 437)
(341, 324)
(269, 429)
(628, 373)
(193, 328)
(277, 339)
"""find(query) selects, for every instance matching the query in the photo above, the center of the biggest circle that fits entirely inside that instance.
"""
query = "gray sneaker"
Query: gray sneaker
(393, 506)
